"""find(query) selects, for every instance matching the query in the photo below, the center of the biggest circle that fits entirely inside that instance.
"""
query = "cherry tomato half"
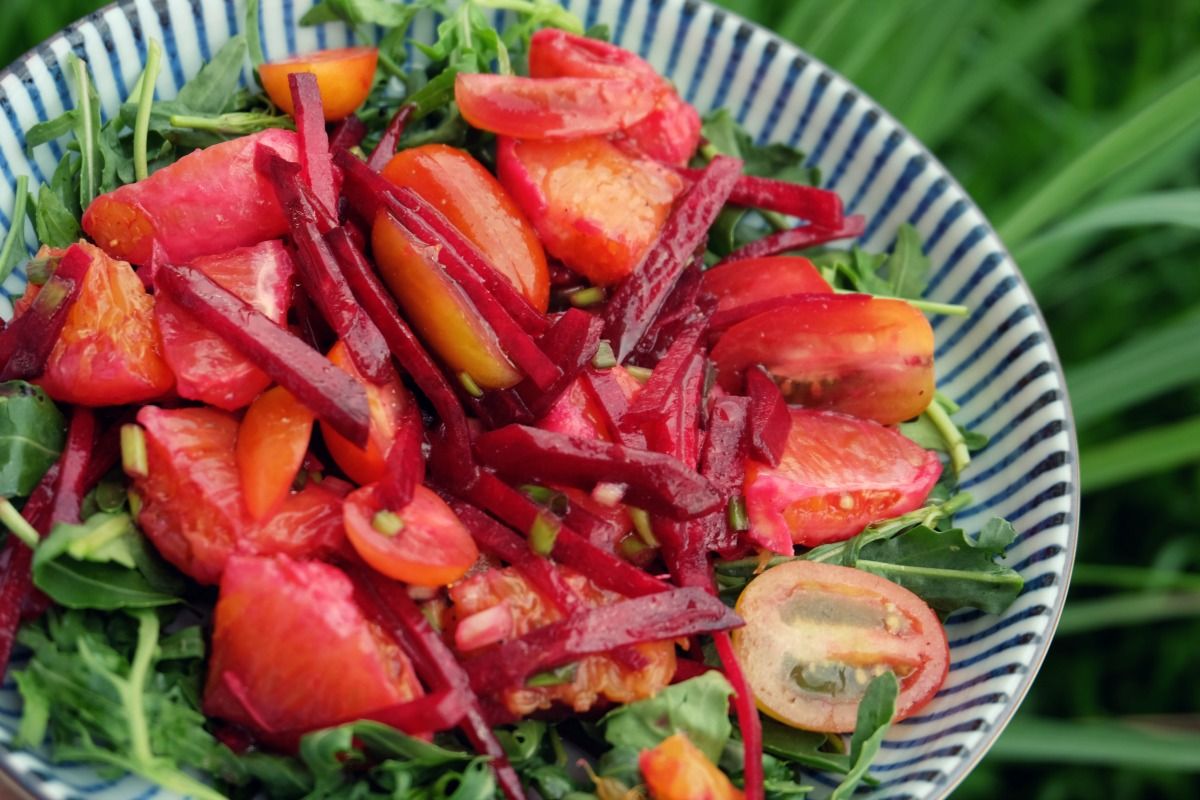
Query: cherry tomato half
(817, 634)
(866, 356)
(754, 280)
(838, 474)
(677, 770)
(344, 78)
(423, 543)
(470, 197)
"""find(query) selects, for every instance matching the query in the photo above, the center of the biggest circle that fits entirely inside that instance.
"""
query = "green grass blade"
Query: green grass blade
(1102, 743)
(1125, 144)
(1126, 610)
(1139, 454)
(1119, 576)
(1148, 365)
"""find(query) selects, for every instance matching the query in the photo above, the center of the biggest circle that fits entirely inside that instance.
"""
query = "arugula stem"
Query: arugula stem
(253, 36)
(237, 123)
(16, 229)
(141, 125)
(557, 17)
(960, 456)
(133, 689)
(19, 526)
(102, 535)
(931, 307)
(886, 568)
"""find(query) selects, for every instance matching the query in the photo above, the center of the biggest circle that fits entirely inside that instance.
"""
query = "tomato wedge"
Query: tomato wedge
(597, 208)
(552, 108)
(471, 198)
(838, 474)
(423, 543)
(816, 634)
(206, 367)
(391, 407)
(755, 280)
(866, 356)
(678, 770)
(669, 133)
(271, 444)
(108, 352)
(344, 77)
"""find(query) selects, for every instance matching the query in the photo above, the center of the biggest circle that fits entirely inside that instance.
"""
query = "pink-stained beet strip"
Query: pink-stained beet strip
(322, 279)
(639, 298)
(388, 603)
(403, 343)
(600, 566)
(315, 160)
(747, 715)
(16, 560)
(818, 206)
(660, 483)
(675, 614)
(603, 387)
(75, 466)
(723, 462)
(405, 464)
(294, 195)
(386, 148)
(686, 307)
(26, 343)
(799, 238)
(770, 422)
(316, 382)
(655, 400)
(348, 133)
(368, 192)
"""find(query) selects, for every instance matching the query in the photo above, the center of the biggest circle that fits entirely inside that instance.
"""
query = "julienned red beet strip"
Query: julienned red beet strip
(315, 160)
(639, 298)
(294, 194)
(403, 342)
(819, 206)
(405, 464)
(603, 387)
(389, 604)
(654, 400)
(799, 238)
(723, 462)
(685, 307)
(658, 617)
(328, 392)
(321, 276)
(348, 133)
(770, 421)
(27, 341)
(518, 345)
(386, 148)
(16, 560)
(603, 568)
(747, 716)
(368, 193)
(74, 467)
(660, 483)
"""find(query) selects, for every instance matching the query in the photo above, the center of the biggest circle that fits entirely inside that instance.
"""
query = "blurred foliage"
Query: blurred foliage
(1075, 124)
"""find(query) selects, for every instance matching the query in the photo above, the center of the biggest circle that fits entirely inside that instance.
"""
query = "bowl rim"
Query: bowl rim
(951, 781)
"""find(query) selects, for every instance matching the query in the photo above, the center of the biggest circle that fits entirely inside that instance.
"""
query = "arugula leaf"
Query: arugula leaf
(724, 135)
(383, 13)
(699, 707)
(875, 713)
(56, 212)
(104, 563)
(802, 747)
(32, 434)
(908, 267)
(948, 569)
(214, 88)
(86, 128)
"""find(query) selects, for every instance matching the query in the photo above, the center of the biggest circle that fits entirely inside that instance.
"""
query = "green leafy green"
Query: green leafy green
(13, 249)
(86, 129)
(808, 748)
(105, 563)
(875, 712)
(56, 222)
(698, 707)
(32, 434)
(725, 136)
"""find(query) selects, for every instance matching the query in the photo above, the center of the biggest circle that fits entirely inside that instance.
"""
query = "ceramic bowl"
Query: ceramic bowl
(998, 363)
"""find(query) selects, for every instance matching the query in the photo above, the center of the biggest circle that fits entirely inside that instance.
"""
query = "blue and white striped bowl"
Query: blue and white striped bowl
(998, 363)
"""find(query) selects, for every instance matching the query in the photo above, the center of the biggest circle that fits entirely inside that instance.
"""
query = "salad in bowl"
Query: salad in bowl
(478, 412)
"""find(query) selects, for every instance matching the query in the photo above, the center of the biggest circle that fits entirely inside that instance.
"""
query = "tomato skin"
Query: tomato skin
(176, 206)
(597, 208)
(670, 133)
(271, 444)
(193, 508)
(838, 474)
(596, 678)
(471, 198)
(552, 108)
(439, 309)
(206, 367)
(870, 357)
(677, 770)
(108, 351)
(305, 654)
(344, 77)
(433, 549)
(391, 408)
(753, 280)
(817, 615)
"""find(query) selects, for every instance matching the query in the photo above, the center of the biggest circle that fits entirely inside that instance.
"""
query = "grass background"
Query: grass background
(1075, 124)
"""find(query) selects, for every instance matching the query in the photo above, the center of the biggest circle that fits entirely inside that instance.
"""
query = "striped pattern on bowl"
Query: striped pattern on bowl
(998, 363)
